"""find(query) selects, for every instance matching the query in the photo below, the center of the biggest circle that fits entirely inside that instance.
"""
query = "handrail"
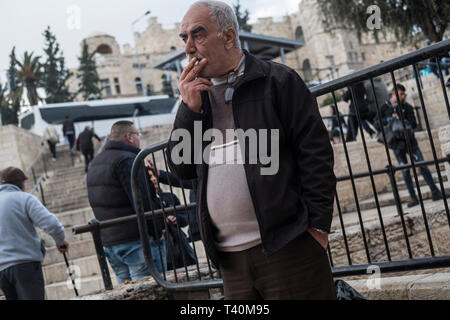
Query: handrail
(44, 175)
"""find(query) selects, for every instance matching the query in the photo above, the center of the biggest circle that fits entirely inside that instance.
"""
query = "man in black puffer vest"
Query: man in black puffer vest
(110, 196)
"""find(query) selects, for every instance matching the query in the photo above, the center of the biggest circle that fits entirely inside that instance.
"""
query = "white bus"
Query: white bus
(101, 114)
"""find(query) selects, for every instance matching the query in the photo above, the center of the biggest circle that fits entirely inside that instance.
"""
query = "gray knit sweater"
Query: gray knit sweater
(20, 213)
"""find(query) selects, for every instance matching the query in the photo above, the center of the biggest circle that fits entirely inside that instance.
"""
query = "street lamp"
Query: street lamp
(137, 55)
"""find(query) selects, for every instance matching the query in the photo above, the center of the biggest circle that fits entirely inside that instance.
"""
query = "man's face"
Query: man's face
(200, 35)
(132, 137)
(401, 95)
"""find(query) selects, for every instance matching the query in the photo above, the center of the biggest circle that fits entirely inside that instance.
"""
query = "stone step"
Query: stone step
(402, 185)
(387, 199)
(75, 217)
(70, 237)
(368, 215)
(82, 268)
(63, 291)
(68, 205)
(78, 249)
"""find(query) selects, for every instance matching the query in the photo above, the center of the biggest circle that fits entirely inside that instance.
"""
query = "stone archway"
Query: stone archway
(104, 49)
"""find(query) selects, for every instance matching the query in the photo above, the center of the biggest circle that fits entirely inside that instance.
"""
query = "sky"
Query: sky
(22, 22)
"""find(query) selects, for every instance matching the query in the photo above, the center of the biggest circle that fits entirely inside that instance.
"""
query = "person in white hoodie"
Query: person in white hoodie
(52, 138)
(21, 249)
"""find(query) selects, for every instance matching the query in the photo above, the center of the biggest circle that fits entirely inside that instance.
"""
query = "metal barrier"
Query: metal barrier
(34, 172)
(349, 268)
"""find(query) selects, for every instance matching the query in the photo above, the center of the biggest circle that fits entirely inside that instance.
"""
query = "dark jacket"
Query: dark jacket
(169, 179)
(359, 100)
(110, 196)
(388, 108)
(84, 142)
(301, 194)
(68, 127)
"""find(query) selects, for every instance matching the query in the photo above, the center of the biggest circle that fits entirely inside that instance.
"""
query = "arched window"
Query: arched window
(307, 71)
(137, 82)
(104, 49)
(299, 35)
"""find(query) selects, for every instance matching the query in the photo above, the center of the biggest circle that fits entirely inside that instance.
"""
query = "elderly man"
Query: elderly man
(21, 249)
(110, 196)
(267, 232)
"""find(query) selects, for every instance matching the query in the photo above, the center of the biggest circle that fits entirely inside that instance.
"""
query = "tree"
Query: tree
(242, 17)
(87, 72)
(55, 76)
(29, 74)
(405, 18)
(10, 102)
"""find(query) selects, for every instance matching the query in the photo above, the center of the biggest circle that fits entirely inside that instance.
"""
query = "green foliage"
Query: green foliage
(10, 102)
(404, 18)
(242, 17)
(29, 74)
(87, 72)
(55, 75)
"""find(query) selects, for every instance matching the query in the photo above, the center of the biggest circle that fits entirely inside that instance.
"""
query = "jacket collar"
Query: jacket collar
(252, 69)
(117, 145)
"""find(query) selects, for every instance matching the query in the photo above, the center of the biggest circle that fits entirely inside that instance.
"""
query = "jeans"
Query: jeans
(23, 281)
(367, 128)
(128, 262)
(400, 154)
(71, 139)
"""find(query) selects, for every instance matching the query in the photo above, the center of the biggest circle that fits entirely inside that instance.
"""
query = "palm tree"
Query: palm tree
(29, 74)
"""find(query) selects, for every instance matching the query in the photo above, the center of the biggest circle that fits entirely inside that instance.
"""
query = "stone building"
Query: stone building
(326, 55)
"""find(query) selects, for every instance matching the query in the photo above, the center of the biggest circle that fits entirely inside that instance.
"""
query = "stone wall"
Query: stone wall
(18, 147)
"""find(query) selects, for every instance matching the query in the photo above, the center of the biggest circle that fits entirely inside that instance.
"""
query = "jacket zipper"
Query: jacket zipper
(252, 195)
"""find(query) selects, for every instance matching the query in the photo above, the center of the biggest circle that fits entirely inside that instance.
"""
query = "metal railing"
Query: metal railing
(388, 264)
(38, 180)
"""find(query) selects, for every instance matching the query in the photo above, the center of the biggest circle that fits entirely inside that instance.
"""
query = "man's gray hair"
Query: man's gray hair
(224, 16)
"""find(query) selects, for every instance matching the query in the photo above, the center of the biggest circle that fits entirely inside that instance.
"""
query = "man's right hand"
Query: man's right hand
(191, 86)
(64, 247)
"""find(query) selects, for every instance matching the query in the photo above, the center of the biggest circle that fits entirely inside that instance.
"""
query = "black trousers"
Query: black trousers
(88, 156)
(299, 271)
(23, 281)
(353, 126)
(52, 147)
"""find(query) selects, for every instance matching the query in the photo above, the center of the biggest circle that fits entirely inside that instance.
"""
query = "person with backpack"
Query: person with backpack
(390, 111)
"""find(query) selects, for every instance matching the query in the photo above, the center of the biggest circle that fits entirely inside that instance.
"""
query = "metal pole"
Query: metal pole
(101, 254)
(70, 274)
